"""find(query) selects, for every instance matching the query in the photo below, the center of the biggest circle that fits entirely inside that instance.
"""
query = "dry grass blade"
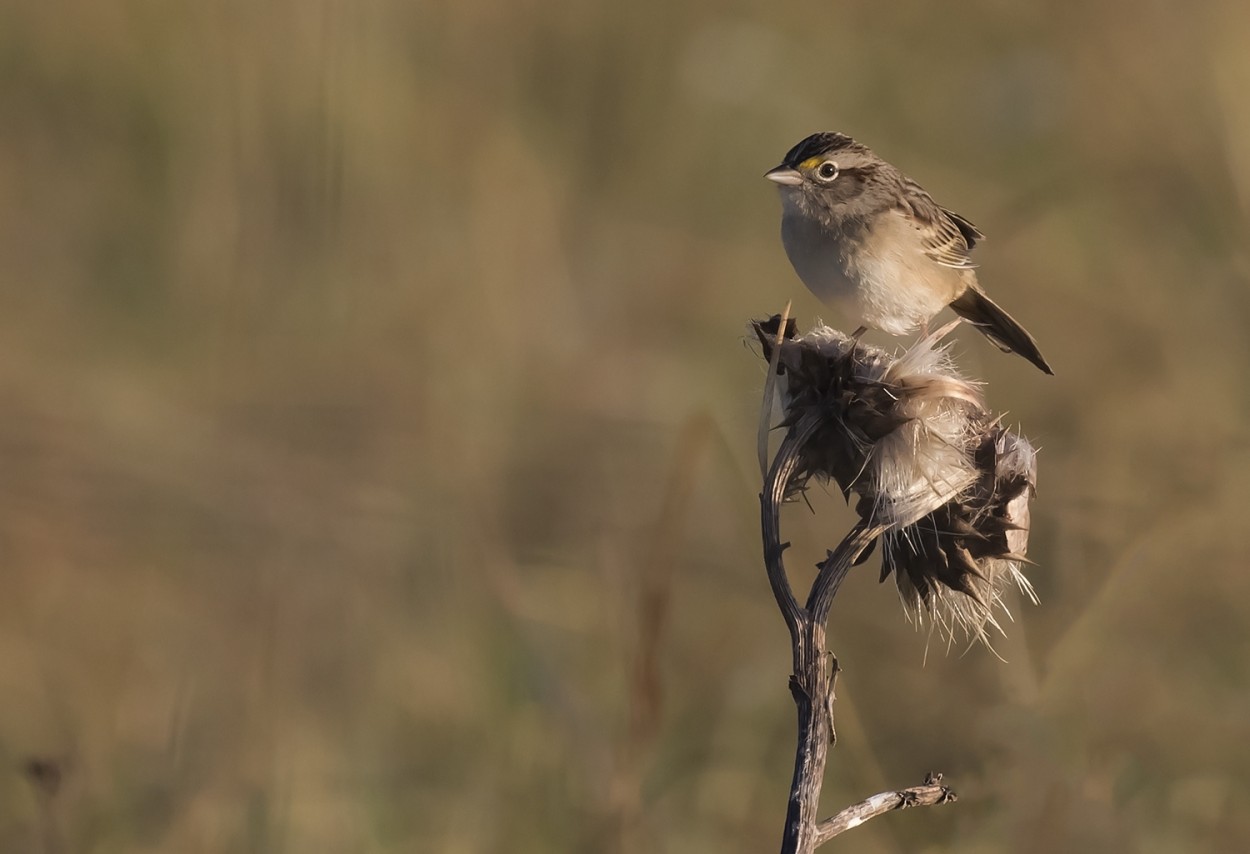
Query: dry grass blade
(770, 392)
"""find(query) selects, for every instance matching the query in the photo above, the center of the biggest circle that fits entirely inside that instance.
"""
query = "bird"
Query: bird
(873, 244)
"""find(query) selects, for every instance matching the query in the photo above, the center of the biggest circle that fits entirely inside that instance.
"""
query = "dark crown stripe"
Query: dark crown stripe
(819, 144)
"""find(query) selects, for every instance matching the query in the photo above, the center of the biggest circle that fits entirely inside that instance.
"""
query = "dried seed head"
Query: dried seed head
(954, 564)
(913, 440)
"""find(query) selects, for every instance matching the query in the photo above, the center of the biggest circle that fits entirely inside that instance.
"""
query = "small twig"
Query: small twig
(931, 793)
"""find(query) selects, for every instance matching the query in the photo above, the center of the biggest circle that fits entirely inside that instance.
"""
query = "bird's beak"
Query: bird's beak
(785, 176)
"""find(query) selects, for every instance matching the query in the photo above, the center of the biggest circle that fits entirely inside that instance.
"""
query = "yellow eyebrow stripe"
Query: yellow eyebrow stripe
(810, 163)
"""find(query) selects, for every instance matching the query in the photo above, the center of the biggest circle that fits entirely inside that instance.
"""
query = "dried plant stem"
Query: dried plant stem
(815, 669)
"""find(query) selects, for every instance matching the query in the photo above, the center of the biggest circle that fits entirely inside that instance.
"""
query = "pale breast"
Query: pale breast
(816, 256)
(884, 281)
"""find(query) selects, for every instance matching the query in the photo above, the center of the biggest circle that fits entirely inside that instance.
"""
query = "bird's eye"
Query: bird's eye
(827, 171)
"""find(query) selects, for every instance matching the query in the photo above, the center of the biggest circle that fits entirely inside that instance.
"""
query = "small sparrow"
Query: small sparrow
(872, 243)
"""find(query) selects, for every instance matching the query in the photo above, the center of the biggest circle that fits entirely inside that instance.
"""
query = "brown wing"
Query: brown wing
(947, 237)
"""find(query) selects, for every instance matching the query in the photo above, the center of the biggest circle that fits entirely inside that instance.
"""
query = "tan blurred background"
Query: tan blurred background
(376, 457)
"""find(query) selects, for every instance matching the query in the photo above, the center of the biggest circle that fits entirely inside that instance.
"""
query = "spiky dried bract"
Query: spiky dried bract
(955, 564)
(913, 440)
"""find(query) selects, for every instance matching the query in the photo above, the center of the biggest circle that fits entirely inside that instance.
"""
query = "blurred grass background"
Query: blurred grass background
(376, 467)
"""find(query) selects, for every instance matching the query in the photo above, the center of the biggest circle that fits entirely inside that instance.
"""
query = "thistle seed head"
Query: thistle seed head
(912, 439)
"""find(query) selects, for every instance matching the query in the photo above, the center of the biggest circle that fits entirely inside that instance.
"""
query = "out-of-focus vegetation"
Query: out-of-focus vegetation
(376, 452)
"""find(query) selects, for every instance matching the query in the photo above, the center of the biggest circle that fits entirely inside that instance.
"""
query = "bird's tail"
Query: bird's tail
(998, 326)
